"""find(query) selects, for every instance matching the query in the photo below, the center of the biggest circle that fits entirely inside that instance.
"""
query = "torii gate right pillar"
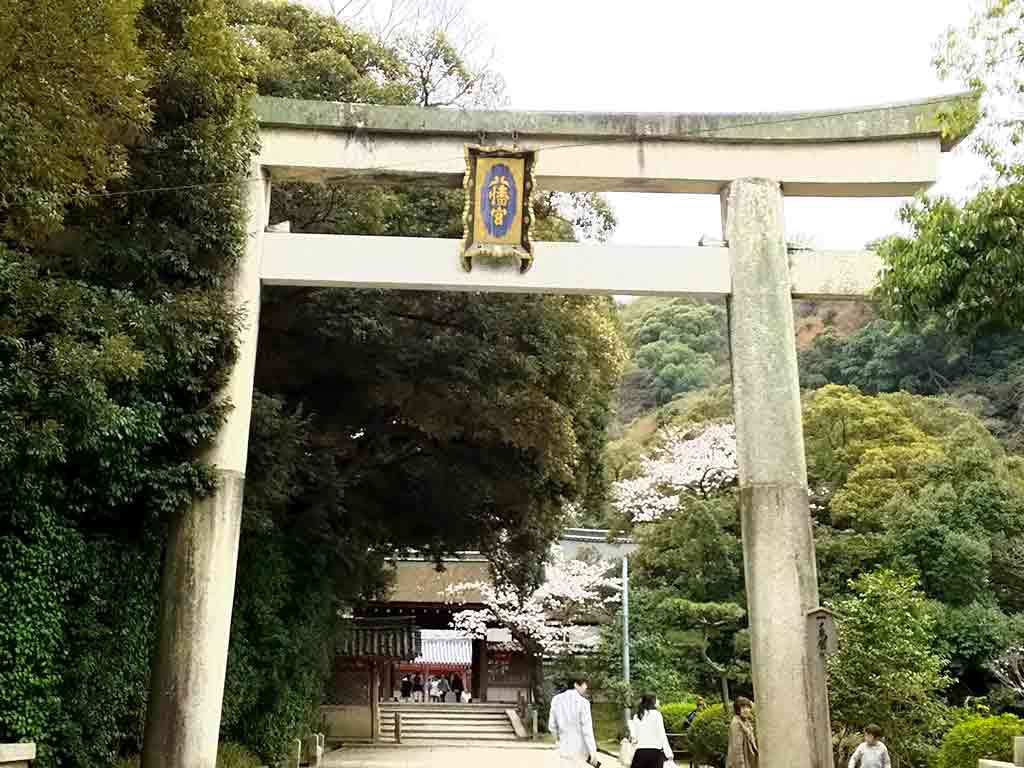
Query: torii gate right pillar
(778, 547)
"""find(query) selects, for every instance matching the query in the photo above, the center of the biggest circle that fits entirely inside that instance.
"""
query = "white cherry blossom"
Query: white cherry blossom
(687, 461)
(542, 620)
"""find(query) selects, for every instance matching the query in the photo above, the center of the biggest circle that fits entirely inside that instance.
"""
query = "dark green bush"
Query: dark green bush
(709, 736)
(979, 738)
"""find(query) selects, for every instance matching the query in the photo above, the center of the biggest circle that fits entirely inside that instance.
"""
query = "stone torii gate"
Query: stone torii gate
(749, 160)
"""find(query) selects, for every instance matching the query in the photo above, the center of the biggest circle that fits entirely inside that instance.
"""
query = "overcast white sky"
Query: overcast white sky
(728, 56)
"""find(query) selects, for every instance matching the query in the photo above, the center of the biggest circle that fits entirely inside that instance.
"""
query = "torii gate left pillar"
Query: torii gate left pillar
(198, 585)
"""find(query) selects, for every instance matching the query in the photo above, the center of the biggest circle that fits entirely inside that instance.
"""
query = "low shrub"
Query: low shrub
(979, 738)
(231, 755)
(709, 736)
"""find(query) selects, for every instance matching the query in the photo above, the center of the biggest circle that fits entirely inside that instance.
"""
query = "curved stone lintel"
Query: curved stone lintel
(907, 119)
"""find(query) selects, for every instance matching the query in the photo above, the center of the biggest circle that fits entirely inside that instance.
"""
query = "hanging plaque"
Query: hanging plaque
(498, 214)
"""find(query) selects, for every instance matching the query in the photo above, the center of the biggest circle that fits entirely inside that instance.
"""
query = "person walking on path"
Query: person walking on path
(571, 724)
(647, 732)
(742, 741)
(871, 753)
(406, 687)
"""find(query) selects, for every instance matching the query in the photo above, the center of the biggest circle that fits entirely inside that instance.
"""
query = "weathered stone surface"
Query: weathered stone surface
(425, 263)
(198, 583)
(834, 274)
(778, 548)
(888, 121)
(882, 151)
(196, 593)
(766, 391)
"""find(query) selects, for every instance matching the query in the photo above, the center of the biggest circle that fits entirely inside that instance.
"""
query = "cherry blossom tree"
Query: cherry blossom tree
(688, 461)
(541, 620)
(700, 461)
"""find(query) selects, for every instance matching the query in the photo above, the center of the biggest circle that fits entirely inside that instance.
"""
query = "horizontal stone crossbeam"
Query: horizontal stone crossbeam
(342, 261)
(890, 150)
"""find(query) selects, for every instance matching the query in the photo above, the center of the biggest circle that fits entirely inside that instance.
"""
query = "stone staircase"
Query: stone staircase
(447, 722)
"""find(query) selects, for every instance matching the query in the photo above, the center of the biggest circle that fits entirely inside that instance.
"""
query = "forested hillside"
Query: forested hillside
(913, 440)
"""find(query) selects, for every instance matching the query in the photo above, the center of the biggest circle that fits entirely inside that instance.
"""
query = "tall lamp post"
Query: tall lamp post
(625, 629)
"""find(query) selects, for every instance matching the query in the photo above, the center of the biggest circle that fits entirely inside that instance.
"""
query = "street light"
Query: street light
(625, 629)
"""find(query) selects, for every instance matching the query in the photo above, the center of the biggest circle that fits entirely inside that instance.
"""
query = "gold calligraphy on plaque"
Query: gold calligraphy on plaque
(498, 187)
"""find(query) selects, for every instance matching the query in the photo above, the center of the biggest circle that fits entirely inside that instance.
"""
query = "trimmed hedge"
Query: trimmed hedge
(979, 738)
(709, 736)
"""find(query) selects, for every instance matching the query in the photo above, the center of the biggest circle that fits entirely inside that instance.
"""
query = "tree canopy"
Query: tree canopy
(677, 345)
(72, 98)
(962, 262)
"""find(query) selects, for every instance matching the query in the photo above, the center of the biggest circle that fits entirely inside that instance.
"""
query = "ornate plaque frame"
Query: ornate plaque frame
(478, 241)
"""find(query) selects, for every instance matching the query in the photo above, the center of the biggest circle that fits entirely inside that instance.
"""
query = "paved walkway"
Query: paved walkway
(408, 756)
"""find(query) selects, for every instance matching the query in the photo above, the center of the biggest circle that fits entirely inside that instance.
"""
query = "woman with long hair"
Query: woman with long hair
(647, 732)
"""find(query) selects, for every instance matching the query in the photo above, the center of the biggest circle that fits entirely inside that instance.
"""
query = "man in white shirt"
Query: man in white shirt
(571, 724)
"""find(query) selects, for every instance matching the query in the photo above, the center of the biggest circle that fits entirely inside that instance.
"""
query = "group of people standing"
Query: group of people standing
(436, 688)
(650, 740)
(571, 723)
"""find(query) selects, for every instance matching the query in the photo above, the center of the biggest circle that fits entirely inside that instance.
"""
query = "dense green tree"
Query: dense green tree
(116, 336)
(920, 486)
(886, 671)
(303, 555)
(681, 343)
(979, 738)
(688, 572)
(469, 417)
(72, 96)
(983, 374)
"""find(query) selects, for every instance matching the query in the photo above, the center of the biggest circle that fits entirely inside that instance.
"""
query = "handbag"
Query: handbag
(626, 752)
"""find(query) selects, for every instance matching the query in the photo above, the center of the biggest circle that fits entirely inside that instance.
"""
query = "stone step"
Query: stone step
(467, 709)
(439, 736)
(435, 723)
(465, 727)
(452, 716)
(443, 724)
